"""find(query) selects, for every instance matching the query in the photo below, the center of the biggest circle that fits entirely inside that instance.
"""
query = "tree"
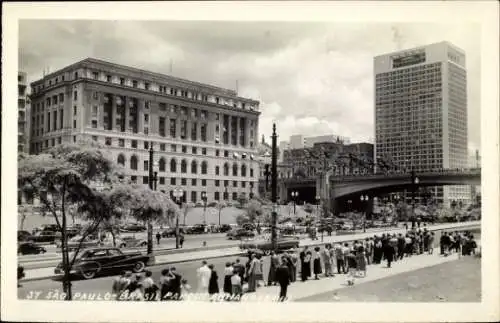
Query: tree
(242, 199)
(187, 207)
(254, 211)
(356, 219)
(64, 176)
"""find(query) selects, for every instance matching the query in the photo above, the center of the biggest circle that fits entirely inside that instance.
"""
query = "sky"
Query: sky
(310, 78)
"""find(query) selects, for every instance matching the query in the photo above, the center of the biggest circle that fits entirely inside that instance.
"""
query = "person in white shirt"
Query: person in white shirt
(149, 287)
(237, 289)
(203, 274)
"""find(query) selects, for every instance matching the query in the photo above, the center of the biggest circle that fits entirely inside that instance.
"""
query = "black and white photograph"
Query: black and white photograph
(181, 161)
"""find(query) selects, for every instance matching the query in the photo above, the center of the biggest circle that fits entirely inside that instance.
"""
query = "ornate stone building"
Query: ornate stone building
(204, 137)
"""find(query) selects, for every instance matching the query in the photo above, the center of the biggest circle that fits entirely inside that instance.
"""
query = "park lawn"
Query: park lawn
(455, 281)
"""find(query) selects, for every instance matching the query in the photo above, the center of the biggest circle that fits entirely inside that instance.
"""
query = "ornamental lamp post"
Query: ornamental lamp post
(319, 218)
(178, 194)
(204, 199)
(295, 194)
(364, 201)
(152, 187)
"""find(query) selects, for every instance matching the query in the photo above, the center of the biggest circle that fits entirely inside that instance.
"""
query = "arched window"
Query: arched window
(243, 170)
(235, 169)
(161, 164)
(194, 167)
(204, 167)
(121, 160)
(133, 162)
(226, 169)
(184, 166)
(251, 172)
(217, 170)
(173, 165)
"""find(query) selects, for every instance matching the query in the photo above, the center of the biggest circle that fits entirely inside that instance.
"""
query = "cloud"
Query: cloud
(311, 78)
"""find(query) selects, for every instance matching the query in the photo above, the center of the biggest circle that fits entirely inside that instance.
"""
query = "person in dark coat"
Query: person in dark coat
(213, 284)
(401, 246)
(239, 268)
(283, 278)
(317, 263)
(305, 264)
(377, 250)
(275, 262)
(158, 237)
(228, 273)
(176, 284)
(388, 253)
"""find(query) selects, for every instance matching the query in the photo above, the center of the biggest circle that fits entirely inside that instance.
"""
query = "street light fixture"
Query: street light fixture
(178, 194)
(204, 199)
(295, 194)
(364, 201)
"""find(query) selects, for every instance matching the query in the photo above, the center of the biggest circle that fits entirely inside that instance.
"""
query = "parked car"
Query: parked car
(225, 228)
(170, 232)
(45, 236)
(196, 229)
(237, 234)
(126, 242)
(74, 242)
(94, 261)
(133, 227)
(23, 235)
(30, 248)
(265, 245)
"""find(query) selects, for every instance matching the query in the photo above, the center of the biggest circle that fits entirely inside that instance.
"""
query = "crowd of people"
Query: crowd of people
(349, 259)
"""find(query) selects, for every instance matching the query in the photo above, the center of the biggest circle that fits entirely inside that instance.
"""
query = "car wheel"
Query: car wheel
(90, 271)
(122, 245)
(267, 252)
(138, 267)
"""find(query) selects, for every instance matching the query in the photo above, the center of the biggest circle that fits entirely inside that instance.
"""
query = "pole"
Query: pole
(274, 184)
(413, 198)
(177, 226)
(150, 182)
(204, 208)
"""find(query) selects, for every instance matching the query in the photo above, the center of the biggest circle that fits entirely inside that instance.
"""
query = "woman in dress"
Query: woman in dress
(253, 270)
(316, 263)
(228, 273)
(213, 284)
(361, 261)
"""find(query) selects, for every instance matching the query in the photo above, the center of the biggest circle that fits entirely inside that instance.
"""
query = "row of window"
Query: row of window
(184, 166)
(216, 196)
(194, 182)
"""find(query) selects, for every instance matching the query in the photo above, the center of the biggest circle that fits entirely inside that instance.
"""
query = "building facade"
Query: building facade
(204, 137)
(23, 106)
(421, 111)
(299, 141)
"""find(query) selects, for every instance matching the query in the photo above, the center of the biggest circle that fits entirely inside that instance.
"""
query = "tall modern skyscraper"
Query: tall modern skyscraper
(421, 111)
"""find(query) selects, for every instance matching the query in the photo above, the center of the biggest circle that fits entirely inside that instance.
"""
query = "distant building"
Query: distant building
(22, 114)
(421, 111)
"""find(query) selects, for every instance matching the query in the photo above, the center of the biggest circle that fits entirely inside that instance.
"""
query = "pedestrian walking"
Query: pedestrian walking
(158, 237)
(228, 273)
(275, 262)
(213, 284)
(377, 250)
(203, 273)
(316, 263)
(283, 278)
(181, 240)
(361, 261)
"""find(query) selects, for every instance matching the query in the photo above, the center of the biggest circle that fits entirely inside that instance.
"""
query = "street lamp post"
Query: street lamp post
(364, 201)
(204, 198)
(295, 194)
(251, 190)
(320, 218)
(415, 181)
(150, 182)
(178, 194)
(274, 188)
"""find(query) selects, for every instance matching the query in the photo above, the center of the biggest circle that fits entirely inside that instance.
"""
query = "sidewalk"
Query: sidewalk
(298, 289)
(45, 273)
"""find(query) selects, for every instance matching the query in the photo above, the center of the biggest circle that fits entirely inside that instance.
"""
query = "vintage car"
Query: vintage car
(74, 242)
(133, 227)
(126, 242)
(265, 245)
(29, 248)
(23, 235)
(45, 236)
(93, 261)
(237, 234)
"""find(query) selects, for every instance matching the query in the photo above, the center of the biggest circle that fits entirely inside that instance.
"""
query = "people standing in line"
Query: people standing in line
(166, 280)
(368, 250)
(305, 264)
(442, 243)
(425, 240)
(158, 237)
(203, 273)
(316, 263)
(431, 243)
(239, 268)
(228, 273)
(351, 264)
(339, 258)
(408, 245)
(236, 285)
(283, 278)
(393, 241)
(377, 250)
(213, 284)
(361, 261)
(327, 260)
(274, 263)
